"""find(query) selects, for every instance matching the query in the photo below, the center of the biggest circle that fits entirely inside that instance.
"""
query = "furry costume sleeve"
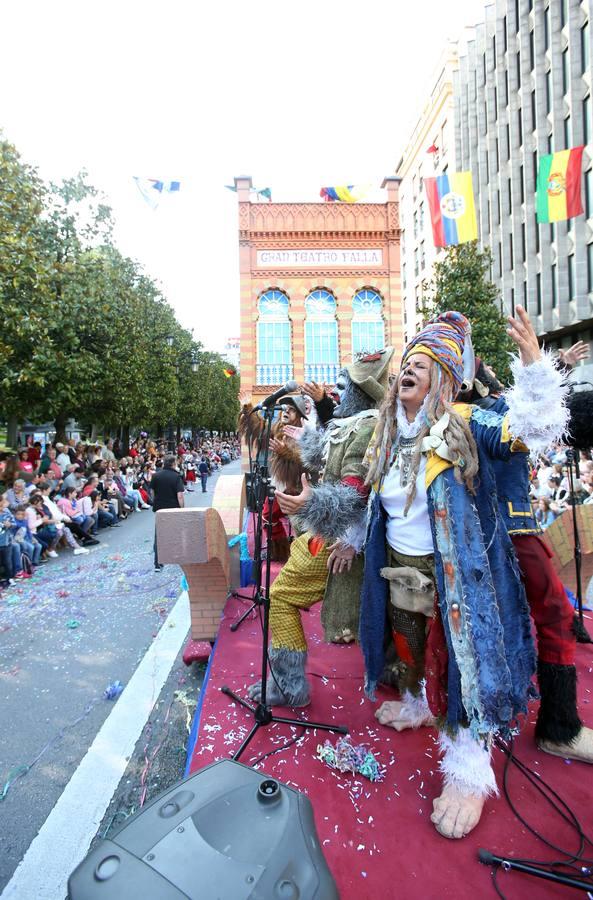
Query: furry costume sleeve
(311, 447)
(537, 413)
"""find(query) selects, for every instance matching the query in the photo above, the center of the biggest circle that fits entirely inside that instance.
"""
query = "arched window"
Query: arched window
(274, 347)
(368, 327)
(322, 361)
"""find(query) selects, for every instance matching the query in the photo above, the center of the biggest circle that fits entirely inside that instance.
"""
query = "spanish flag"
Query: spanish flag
(229, 371)
(452, 209)
(345, 193)
(559, 185)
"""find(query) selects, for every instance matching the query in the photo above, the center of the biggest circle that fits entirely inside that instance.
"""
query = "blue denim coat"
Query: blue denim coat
(489, 641)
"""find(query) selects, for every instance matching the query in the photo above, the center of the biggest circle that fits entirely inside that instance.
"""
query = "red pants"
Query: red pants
(550, 608)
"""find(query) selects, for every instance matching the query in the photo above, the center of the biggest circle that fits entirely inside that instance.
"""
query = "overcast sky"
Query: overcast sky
(297, 95)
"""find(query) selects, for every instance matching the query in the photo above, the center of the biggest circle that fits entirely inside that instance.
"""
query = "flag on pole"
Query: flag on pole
(452, 209)
(229, 371)
(559, 185)
(153, 188)
(346, 193)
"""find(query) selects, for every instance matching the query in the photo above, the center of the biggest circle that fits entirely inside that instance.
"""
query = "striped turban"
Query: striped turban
(443, 340)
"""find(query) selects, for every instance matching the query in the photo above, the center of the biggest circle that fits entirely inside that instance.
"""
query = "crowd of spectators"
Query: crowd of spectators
(550, 488)
(58, 497)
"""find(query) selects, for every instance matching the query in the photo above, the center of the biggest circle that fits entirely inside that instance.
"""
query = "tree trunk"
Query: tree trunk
(178, 435)
(60, 426)
(94, 430)
(12, 428)
(125, 440)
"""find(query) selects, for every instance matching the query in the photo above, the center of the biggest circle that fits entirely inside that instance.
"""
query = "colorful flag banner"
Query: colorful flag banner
(559, 185)
(452, 209)
(345, 193)
(229, 371)
(153, 188)
(264, 192)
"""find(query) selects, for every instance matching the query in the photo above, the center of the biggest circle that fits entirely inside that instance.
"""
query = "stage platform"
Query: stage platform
(377, 837)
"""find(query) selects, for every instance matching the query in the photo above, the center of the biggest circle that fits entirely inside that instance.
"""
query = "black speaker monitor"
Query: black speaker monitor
(225, 833)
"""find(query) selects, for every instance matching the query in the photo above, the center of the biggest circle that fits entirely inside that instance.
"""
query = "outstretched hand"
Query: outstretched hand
(244, 398)
(277, 445)
(522, 333)
(293, 431)
(574, 354)
(291, 504)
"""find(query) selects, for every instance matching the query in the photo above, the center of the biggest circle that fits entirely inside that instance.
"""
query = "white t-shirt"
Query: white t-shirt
(411, 534)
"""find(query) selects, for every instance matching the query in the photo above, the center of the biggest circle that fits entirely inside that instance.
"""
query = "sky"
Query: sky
(297, 95)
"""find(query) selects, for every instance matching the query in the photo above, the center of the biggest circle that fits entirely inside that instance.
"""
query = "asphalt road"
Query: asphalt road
(79, 625)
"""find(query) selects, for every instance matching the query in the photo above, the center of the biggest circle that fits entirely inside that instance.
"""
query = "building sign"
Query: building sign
(325, 257)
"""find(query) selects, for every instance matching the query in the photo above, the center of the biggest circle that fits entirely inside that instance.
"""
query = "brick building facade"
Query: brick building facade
(320, 282)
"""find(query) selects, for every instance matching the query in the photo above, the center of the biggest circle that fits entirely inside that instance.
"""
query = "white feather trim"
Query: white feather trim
(537, 412)
(466, 764)
(355, 536)
(415, 709)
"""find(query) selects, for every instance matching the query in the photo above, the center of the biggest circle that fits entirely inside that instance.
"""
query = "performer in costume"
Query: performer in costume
(284, 462)
(315, 570)
(433, 509)
(558, 729)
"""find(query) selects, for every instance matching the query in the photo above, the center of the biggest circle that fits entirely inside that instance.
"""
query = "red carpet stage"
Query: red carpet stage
(377, 837)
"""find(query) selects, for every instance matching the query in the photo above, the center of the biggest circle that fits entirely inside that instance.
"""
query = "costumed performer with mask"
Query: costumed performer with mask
(325, 513)
(558, 728)
(433, 512)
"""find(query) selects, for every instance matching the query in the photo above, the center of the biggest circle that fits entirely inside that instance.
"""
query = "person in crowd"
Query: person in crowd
(42, 525)
(204, 470)
(70, 506)
(50, 468)
(107, 452)
(25, 464)
(74, 479)
(63, 457)
(544, 515)
(68, 528)
(10, 551)
(102, 509)
(30, 546)
(126, 479)
(168, 493)
(112, 493)
(17, 494)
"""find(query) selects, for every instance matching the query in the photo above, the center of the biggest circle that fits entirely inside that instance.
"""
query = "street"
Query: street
(79, 625)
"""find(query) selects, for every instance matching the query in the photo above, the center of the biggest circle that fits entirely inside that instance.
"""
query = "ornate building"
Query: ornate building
(320, 282)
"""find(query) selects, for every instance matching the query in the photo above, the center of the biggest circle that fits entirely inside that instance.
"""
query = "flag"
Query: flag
(153, 188)
(265, 192)
(433, 149)
(346, 193)
(452, 209)
(559, 185)
(229, 371)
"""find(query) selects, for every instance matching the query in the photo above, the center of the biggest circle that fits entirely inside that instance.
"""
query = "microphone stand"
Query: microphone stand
(262, 712)
(508, 864)
(583, 636)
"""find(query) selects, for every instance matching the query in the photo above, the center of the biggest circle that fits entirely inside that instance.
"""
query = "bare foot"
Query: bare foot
(581, 748)
(397, 714)
(456, 814)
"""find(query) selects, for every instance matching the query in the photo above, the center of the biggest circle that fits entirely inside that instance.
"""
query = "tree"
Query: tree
(461, 281)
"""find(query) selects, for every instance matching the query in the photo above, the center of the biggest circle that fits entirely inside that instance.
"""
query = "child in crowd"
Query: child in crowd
(22, 535)
(10, 551)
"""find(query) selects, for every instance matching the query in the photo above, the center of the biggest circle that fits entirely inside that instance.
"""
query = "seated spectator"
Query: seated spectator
(10, 551)
(42, 525)
(74, 478)
(66, 526)
(544, 514)
(110, 491)
(63, 458)
(50, 468)
(29, 544)
(71, 507)
(107, 452)
(25, 464)
(106, 518)
(92, 484)
(17, 494)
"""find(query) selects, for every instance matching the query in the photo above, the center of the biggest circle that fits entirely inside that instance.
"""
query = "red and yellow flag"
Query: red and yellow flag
(229, 371)
(559, 185)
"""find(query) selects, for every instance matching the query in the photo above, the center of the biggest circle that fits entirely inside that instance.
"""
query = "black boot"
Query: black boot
(558, 720)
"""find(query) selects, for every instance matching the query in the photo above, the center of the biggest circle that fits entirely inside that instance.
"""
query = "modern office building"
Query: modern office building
(320, 283)
(523, 89)
(518, 86)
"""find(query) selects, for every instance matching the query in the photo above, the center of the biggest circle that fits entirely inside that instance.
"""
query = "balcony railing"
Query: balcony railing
(322, 373)
(273, 374)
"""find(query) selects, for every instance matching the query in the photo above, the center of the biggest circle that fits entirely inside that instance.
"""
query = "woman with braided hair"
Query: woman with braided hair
(466, 653)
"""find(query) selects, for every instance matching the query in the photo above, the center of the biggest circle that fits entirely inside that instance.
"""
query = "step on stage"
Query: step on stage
(377, 837)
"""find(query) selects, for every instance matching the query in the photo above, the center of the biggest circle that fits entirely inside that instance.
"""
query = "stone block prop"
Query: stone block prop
(196, 540)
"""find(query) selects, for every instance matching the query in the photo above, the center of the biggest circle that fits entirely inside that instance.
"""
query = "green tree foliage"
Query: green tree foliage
(461, 281)
(85, 333)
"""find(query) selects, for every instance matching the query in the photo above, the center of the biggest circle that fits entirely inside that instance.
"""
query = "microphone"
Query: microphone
(289, 388)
